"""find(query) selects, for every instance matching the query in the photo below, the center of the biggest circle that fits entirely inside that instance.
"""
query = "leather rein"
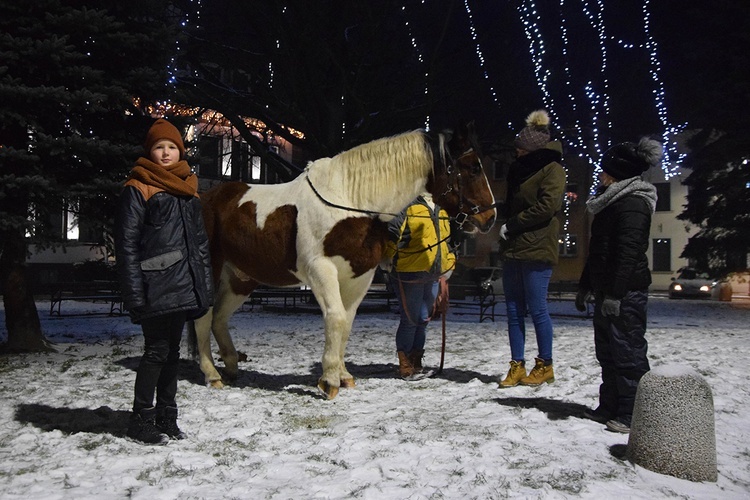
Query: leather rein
(454, 185)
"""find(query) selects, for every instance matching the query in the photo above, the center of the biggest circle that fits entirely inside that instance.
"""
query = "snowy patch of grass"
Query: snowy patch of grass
(9, 364)
(92, 443)
(300, 422)
(164, 470)
(67, 364)
(118, 351)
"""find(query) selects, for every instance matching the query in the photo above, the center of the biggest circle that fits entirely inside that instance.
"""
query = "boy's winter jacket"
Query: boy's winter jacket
(162, 253)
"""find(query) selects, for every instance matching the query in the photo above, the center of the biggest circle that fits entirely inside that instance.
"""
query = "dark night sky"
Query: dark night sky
(702, 47)
(696, 46)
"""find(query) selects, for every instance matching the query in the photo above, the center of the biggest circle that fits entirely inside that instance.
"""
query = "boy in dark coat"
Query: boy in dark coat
(165, 273)
(617, 274)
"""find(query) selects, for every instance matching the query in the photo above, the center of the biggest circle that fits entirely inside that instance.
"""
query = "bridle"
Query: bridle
(455, 185)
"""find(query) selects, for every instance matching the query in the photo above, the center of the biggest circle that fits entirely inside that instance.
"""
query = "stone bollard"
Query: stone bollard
(672, 431)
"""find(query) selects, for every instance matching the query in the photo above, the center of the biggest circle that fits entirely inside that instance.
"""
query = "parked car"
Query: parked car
(690, 283)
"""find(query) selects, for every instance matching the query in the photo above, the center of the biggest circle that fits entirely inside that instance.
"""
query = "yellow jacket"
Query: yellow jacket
(419, 239)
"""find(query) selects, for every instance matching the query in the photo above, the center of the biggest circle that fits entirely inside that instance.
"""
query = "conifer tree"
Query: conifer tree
(70, 123)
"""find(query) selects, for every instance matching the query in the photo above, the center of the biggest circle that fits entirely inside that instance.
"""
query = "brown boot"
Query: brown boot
(405, 368)
(540, 374)
(515, 374)
(416, 359)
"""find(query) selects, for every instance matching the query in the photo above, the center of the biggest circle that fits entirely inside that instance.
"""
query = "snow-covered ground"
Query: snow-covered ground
(271, 435)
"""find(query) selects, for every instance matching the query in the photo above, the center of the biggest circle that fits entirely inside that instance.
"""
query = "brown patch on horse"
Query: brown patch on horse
(359, 240)
(267, 255)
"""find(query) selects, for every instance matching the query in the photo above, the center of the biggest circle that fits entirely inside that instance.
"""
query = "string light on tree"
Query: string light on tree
(480, 55)
(669, 166)
(420, 58)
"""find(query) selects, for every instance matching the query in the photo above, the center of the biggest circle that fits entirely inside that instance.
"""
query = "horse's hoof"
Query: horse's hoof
(329, 390)
(216, 384)
(348, 383)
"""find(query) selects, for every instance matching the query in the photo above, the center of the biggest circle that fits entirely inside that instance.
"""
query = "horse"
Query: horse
(327, 229)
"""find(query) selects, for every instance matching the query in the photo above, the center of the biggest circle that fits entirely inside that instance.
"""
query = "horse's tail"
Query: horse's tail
(192, 340)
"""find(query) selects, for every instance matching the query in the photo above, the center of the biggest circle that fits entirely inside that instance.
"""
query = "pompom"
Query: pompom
(650, 151)
(538, 118)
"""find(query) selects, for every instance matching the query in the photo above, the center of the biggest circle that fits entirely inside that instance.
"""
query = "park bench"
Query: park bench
(94, 291)
(472, 300)
(288, 298)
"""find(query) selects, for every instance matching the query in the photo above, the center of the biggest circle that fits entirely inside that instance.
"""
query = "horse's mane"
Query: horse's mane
(366, 175)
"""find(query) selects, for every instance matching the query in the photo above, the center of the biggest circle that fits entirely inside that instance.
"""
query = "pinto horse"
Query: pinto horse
(328, 229)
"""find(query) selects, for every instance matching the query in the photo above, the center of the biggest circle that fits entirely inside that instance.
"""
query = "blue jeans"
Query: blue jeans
(416, 293)
(525, 285)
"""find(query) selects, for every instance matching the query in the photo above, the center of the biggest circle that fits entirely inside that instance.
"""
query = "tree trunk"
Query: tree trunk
(21, 316)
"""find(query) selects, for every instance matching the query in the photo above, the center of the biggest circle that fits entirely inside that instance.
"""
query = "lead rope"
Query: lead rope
(441, 305)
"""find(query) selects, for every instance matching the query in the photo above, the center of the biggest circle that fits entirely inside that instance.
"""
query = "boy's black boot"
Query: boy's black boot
(143, 427)
(166, 422)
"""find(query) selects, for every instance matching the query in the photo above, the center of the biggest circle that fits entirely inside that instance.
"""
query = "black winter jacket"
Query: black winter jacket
(617, 260)
(162, 255)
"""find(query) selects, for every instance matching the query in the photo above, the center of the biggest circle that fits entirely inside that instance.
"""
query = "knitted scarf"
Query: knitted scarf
(526, 166)
(633, 186)
(175, 179)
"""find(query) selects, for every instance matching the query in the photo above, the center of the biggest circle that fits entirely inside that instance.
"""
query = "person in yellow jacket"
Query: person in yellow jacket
(421, 254)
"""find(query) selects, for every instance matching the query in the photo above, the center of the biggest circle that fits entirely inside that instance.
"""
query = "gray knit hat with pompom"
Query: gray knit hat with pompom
(536, 133)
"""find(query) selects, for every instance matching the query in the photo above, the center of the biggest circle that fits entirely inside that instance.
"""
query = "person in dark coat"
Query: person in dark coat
(529, 246)
(163, 263)
(617, 275)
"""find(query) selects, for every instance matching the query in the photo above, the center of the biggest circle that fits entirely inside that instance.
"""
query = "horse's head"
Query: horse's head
(459, 183)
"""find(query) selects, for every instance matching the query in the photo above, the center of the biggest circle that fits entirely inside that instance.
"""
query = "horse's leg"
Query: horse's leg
(325, 287)
(220, 327)
(217, 319)
(346, 378)
(202, 327)
(352, 293)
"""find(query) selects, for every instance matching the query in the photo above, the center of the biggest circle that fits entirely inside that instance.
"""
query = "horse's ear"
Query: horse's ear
(448, 134)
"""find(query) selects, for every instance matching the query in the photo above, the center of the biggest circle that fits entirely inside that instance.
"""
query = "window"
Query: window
(664, 192)
(662, 254)
(255, 169)
(225, 155)
(468, 247)
(568, 245)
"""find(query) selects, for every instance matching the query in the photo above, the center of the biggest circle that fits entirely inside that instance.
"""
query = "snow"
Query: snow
(271, 435)
(676, 371)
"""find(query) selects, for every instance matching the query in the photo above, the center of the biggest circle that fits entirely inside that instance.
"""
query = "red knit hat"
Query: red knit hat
(162, 129)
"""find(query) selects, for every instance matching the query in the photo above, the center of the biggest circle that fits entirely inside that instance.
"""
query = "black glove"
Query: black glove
(582, 297)
(611, 307)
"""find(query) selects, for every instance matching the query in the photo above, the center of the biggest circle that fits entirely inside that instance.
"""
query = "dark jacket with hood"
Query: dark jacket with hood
(536, 184)
(162, 253)
(617, 260)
